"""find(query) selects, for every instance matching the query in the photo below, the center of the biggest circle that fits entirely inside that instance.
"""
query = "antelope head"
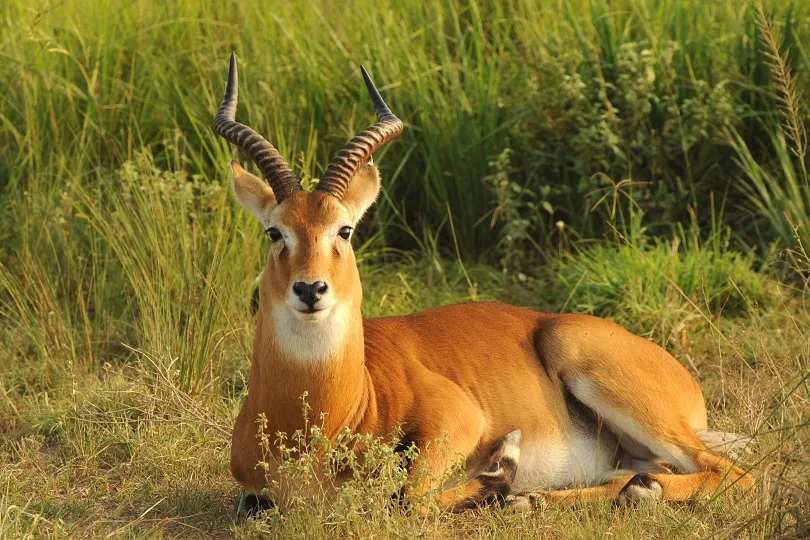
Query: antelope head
(311, 288)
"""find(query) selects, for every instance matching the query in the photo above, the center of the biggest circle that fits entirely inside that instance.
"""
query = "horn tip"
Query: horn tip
(366, 77)
(232, 86)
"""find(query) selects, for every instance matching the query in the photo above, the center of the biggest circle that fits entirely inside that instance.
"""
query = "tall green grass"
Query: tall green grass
(777, 187)
(633, 89)
(175, 243)
(148, 261)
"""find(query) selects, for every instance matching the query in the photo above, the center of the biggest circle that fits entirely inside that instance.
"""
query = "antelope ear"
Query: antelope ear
(362, 191)
(252, 192)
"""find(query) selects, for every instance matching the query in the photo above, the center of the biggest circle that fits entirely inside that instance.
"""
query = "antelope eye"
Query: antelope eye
(274, 234)
(345, 232)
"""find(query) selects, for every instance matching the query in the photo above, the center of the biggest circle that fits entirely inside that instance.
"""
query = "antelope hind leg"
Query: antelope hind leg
(632, 489)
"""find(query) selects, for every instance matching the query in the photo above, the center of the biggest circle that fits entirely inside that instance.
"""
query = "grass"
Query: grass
(651, 288)
(579, 90)
(779, 192)
(126, 451)
(564, 156)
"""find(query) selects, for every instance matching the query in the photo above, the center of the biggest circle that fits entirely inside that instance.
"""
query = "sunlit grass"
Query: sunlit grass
(126, 269)
(632, 89)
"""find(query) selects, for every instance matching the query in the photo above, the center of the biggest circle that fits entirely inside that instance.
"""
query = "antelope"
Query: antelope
(602, 413)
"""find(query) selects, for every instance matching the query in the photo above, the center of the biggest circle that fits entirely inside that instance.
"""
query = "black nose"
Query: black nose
(310, 293)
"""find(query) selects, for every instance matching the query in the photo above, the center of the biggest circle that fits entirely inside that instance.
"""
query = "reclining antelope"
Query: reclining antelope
(603, 413)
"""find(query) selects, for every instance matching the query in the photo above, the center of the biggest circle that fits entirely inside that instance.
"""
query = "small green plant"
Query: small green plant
(516, 214)
(349, 481)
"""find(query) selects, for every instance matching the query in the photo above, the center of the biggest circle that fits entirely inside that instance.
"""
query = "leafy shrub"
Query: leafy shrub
(596, 125)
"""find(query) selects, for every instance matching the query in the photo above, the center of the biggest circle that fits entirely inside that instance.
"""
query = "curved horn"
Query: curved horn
(357, 151)
(264, 155)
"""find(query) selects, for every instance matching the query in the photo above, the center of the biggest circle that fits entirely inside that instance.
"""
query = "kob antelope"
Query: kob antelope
(603, 413)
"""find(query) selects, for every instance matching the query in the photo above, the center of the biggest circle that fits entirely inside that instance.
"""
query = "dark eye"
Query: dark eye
(495, 467)
(274, 234)
(345, 232)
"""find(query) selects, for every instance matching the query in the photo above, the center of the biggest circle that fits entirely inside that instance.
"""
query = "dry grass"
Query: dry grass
(126, 452)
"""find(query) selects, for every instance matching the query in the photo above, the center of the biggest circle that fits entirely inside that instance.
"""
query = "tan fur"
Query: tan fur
(252, 193)
(362, 191)
(472, 372)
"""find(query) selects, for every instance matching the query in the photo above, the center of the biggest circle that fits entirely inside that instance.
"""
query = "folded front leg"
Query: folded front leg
(494, 484)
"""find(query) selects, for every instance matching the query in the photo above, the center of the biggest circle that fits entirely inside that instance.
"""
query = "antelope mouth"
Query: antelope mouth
(312, 314)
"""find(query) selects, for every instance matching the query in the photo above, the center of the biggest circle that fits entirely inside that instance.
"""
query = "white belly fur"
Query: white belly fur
(559, 462)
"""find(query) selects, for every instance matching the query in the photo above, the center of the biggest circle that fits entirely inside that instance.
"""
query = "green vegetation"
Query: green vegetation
(641, 160)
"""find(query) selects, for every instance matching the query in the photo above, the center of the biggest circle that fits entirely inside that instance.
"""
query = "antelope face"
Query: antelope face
(311, 269)
(311, 276)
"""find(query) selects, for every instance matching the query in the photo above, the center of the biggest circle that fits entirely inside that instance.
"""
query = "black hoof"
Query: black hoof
(642, 487)
(252, 505)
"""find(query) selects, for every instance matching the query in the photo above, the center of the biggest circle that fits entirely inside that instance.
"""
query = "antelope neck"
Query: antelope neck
(336, 383)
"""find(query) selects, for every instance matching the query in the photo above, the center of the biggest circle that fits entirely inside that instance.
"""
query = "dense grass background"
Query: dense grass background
(641, 160)
(645, 98)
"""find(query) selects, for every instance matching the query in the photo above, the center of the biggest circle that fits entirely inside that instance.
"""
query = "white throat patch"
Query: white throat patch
(311, 341)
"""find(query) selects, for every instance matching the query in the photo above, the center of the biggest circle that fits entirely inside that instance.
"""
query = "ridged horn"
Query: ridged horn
(274, 169)
(358, 150)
